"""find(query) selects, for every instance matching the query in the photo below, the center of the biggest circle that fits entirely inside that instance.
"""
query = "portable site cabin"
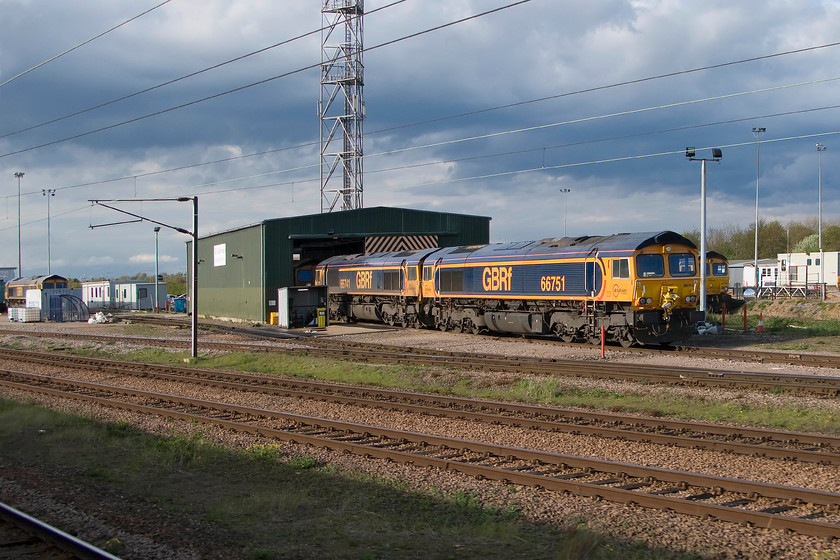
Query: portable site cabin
(801, 269)
(742, 274)
(138, 296)
(97, 295)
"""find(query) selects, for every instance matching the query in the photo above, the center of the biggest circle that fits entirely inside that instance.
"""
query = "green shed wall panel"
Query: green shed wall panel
(234, 289)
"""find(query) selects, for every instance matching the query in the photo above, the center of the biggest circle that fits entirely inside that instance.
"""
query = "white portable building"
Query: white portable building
(742, 273)
(139, 295)
(110, 294)
(98, 294)
(801, 269)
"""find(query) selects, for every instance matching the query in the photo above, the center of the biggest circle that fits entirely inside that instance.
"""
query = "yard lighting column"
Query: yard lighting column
(19, 174)
(565, 192)
(757, 132)
(157, 307)
(49, 193)
(716, 155)
(820, 150)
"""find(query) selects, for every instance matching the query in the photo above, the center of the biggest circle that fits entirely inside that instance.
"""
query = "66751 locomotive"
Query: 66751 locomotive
(640, 287)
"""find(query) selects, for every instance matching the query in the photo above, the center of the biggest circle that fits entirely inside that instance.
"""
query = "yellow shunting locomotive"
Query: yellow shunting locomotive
(16, 289)
(640, 287)
(717, 284)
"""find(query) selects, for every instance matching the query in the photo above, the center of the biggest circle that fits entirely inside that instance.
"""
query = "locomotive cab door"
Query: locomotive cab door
(411, 283)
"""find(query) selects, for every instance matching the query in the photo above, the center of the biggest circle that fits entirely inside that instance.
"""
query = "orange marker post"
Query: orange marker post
(760, 322)
(603, 337)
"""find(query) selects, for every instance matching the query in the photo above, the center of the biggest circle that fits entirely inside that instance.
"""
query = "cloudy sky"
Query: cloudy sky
(493, 116)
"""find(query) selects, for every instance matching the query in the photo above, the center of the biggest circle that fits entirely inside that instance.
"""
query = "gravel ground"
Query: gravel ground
(711, 539)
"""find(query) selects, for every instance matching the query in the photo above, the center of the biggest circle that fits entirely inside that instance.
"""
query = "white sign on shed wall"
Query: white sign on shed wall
(220, 254)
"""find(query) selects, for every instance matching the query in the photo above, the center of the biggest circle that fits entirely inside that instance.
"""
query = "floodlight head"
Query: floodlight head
(157, 229)
(716, 153)
(689, 152)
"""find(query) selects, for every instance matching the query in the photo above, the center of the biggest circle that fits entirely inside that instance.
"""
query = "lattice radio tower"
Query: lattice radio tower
(341, 106)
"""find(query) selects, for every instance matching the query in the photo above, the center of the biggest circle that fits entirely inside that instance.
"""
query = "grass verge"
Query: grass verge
(257, 503)
(549, 391)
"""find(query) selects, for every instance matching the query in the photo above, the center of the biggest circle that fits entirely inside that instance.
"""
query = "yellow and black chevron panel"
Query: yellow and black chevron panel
(400, 243)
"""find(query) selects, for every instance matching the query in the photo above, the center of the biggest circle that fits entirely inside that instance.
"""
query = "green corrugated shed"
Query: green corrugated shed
(241, 270)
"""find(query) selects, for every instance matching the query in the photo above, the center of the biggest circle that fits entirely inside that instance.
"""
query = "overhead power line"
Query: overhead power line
(493, 155)
(469, 113)
(83, 43)
(608, 86)
(181, 78)
(260, 82)
(680, 152)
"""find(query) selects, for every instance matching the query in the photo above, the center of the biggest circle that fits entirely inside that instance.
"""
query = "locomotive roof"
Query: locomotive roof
(618, 243)
(584, 244)
(392, 257)
(28, 280)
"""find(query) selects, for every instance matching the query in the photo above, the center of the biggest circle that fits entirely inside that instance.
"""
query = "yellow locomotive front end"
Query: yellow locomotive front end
(665, 293)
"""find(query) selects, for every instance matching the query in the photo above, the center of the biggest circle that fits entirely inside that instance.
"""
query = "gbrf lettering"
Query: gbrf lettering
(496, 278)
(364, 280)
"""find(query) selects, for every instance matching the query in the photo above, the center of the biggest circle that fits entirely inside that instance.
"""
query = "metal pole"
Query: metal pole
(194, 302)
(48, 193)
(565, 192)
(703, 236)
(820, 150)
(19, 174)
(757, 132)
(157, 305)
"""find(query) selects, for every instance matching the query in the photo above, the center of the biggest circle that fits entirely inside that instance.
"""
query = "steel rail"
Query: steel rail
(64, 542)
(702, 495)
(783, 444)
(760, 356)
(824, 385)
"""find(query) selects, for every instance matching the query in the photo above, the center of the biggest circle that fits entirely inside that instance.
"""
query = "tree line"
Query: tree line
(737, 243)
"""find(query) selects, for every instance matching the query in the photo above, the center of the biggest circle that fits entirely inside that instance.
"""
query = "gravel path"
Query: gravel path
(710, 539)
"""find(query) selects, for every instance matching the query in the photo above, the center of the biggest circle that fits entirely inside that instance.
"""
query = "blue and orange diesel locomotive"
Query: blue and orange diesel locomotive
(640, 287)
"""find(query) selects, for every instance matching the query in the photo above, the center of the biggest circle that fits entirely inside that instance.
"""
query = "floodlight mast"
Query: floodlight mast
(717, 154)
(193, 234)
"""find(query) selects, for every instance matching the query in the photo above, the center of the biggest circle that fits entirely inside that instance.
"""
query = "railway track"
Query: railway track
(781, 444)
(805, 511)
(821, 385)
(23, 536)
(753, 356)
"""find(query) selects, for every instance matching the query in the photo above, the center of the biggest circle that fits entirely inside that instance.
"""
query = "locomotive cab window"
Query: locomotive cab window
(621, 268)
(650, 266)
(427, 273)
(412, 273)
(719, 269)
(681, 264)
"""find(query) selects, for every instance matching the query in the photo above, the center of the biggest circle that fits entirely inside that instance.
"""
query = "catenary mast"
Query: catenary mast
(341, 107)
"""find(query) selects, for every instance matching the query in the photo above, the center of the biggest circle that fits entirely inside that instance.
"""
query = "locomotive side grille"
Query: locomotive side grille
(400, 243)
